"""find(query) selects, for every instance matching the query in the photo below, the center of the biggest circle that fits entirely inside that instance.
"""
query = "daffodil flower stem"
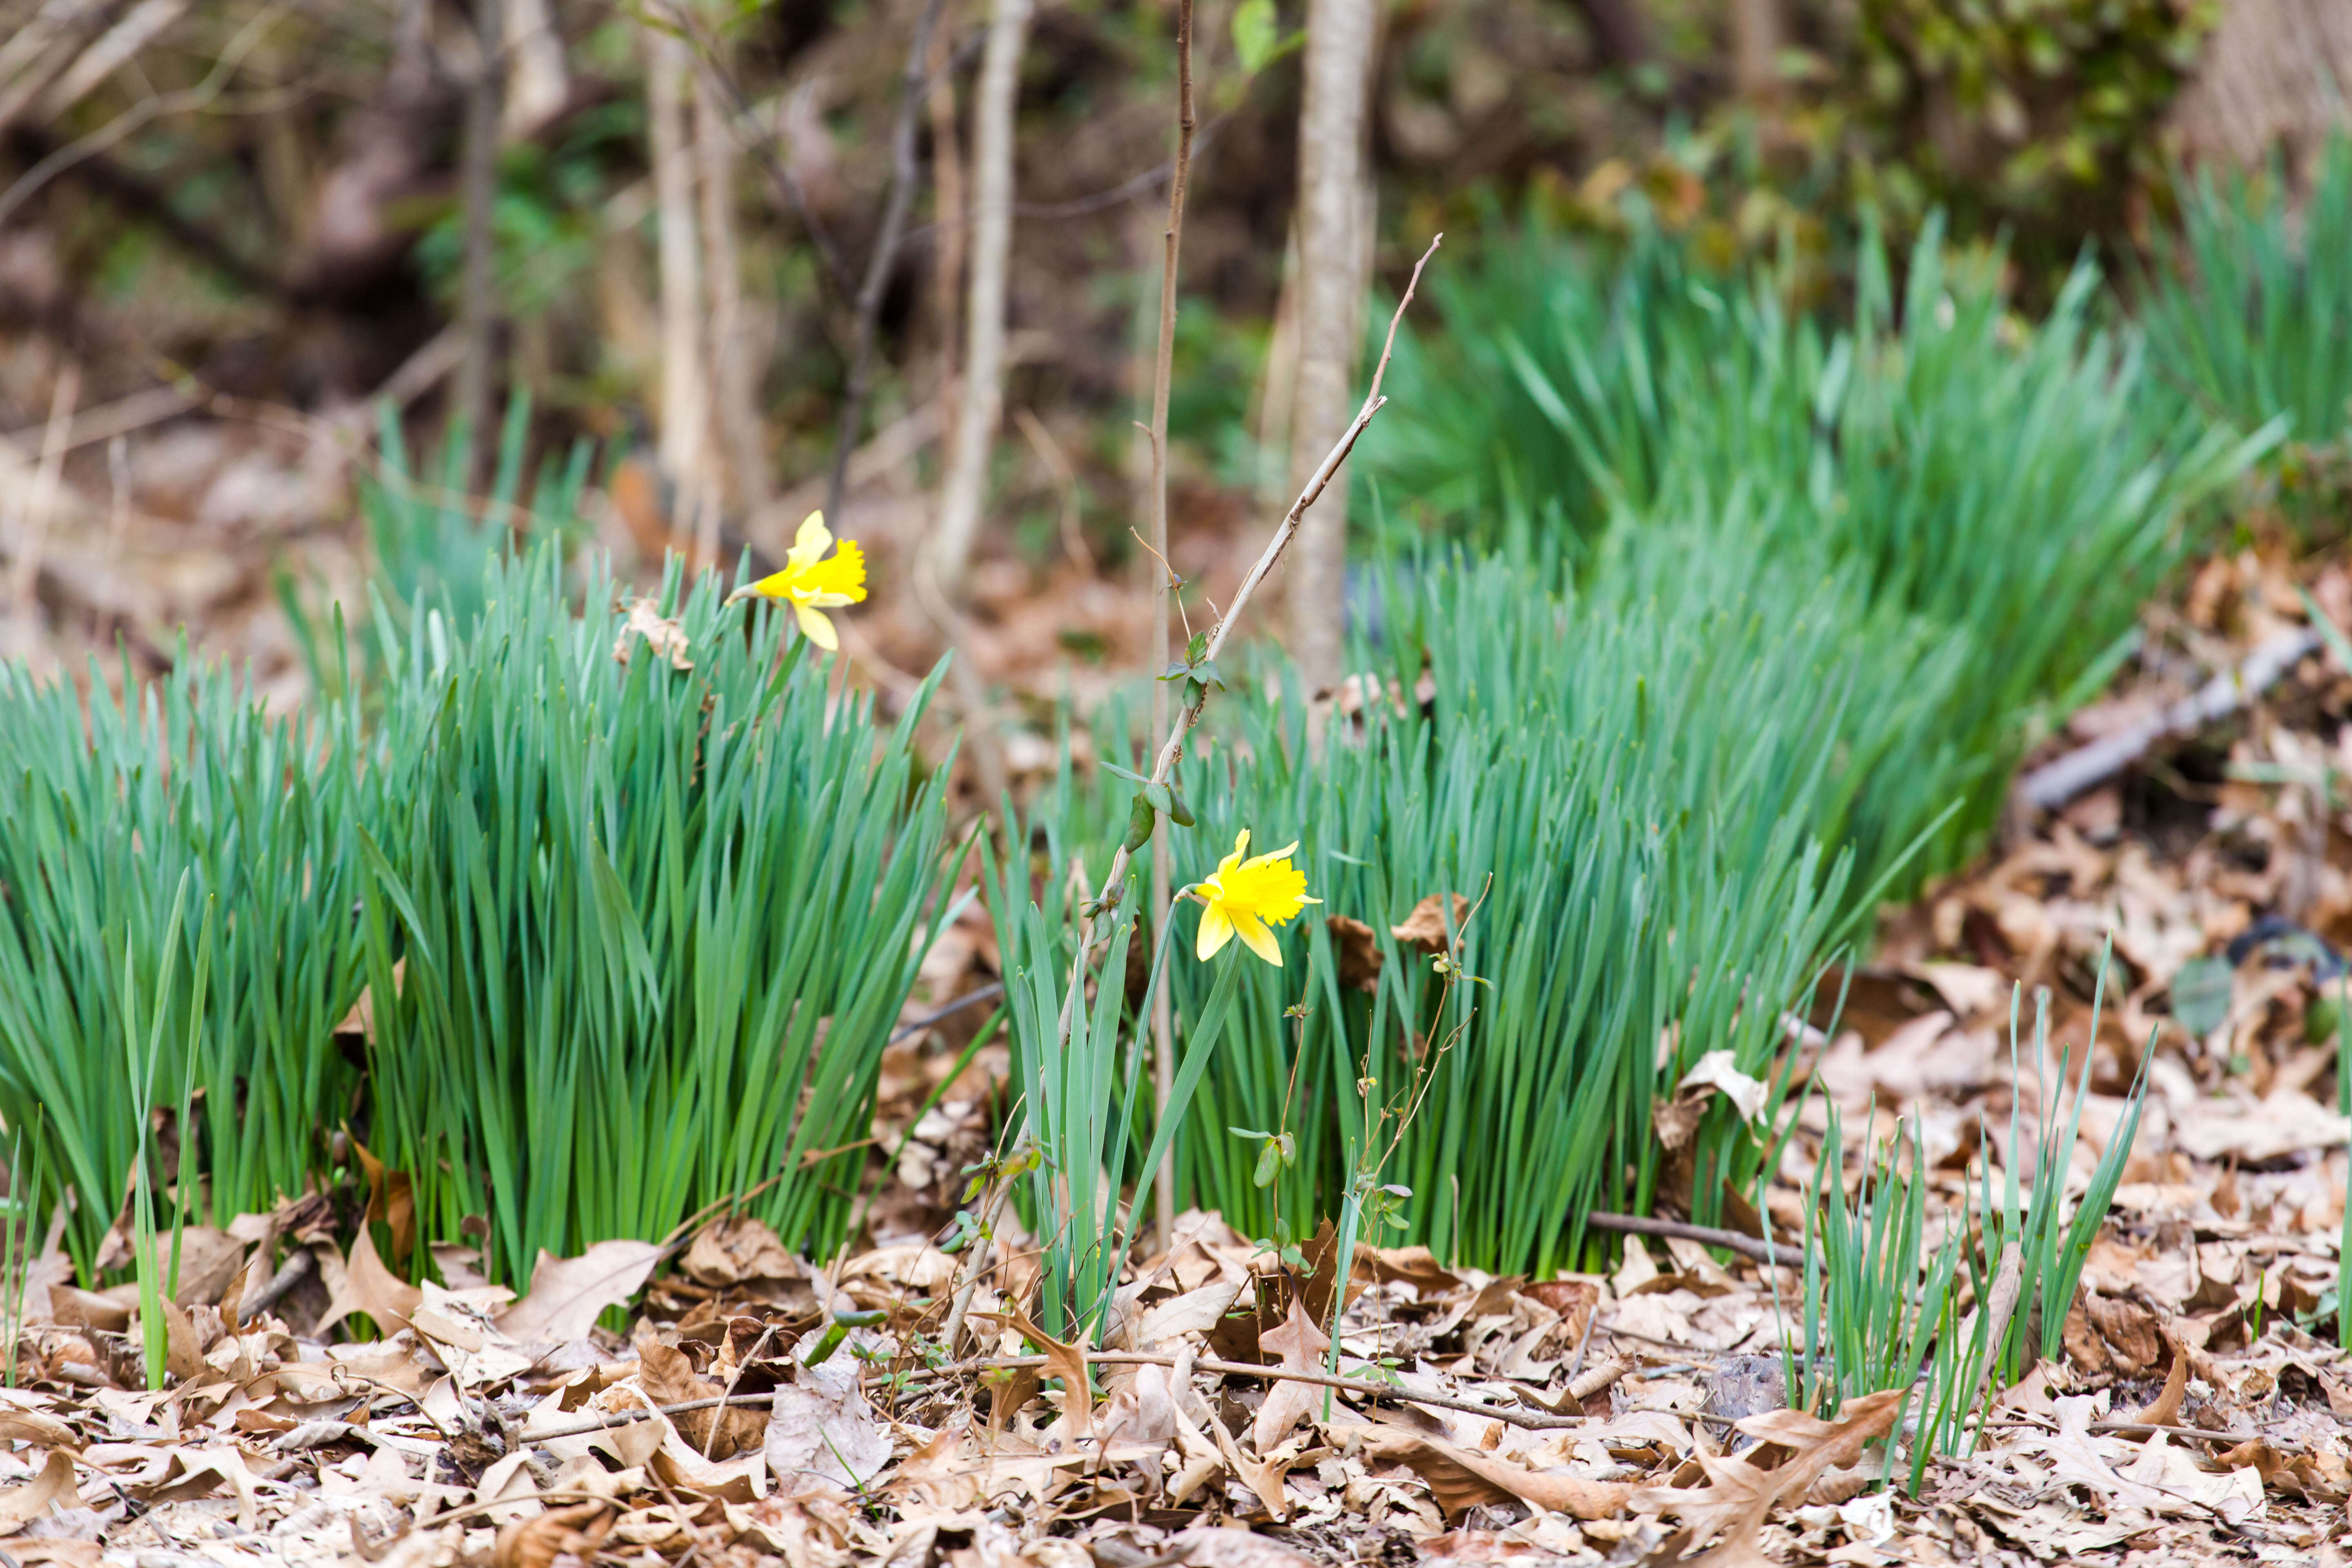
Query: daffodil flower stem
(1172, 751)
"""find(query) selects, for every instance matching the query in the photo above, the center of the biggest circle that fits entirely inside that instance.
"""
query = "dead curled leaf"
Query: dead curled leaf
(1359, 952)
(1460, 1480)
(819, 1425)
(1426, 928)
(536, 1543)
(1719, 1070)
(663, 635)
(567, 1294)
(39, 1430)
(669, 1379)
(733, 1248)
(365, 1285)
(1301, 1344)
(2165, 1409)
(391, 1202)
(1741, 1493)
(53, 1487)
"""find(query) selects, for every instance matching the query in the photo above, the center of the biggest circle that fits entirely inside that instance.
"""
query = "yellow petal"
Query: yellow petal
(1241, 847)
(810, 542)
(1258, 938)
(1216, 931)
(775, 584)
(817, 629)
(1284, 853)
(844, 575)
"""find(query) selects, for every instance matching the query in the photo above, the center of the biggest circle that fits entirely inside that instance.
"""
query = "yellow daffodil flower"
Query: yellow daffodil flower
(1245, 896)
(812, 585)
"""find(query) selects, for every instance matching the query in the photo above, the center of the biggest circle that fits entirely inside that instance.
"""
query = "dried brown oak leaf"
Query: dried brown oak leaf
(665, 636)
(2165, 1408)
(1069, 1363)
(1460, 1480)
(568, 1293)
(821, 1425)
(392, 1201)
(536, 1543)
(365, 1285)
(736, 1247)
(1301, 1345)
(1359, 952)
(1741, 1493)
(1425, 927)
(669, 1379)
(53, 1486)
(2103, 1334)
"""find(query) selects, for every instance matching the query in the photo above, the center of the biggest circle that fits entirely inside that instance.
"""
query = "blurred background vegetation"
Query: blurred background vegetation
(230, 229)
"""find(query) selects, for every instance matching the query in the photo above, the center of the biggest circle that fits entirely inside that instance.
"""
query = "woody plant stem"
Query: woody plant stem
(1172, 751)
(1164, 1049)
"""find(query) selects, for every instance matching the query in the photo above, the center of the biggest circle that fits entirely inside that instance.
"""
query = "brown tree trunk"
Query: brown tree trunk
(734, 362)
(478, 299)
(982, 403)
(1621, 31)
(1755, 40)
(2277, 73)
(1330, 298)
(685, 399)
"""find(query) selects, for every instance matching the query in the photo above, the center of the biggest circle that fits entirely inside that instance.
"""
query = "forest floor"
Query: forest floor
(2198, 1409)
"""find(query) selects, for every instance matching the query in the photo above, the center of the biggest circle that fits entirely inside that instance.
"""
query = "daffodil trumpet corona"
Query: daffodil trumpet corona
(1247, 898)
(812, 582)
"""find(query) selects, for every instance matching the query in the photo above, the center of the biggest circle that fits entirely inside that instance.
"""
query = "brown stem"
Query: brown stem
(886, 253)
(1164, 1050)
(1173, 749)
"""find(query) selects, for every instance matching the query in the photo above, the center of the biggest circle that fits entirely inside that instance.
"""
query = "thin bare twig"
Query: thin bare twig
(912, 90)
(2057, 781)
(1173, 749)
(1731, 1240)
(1163, 1047)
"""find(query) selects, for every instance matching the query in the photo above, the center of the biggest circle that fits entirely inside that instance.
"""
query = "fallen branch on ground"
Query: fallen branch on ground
(1730, 1240)
(2053, 783)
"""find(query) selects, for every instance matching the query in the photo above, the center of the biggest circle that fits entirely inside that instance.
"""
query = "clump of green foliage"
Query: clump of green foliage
(1616, 781)
(642, 912)
(108, 810)
(2249, 312)
(1878, 1310)
(1573, 392)
(1764, 637)
(633, 906)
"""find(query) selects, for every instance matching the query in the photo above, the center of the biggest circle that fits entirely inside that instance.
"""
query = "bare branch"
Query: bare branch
(1172, 750)
(1163, 1053)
